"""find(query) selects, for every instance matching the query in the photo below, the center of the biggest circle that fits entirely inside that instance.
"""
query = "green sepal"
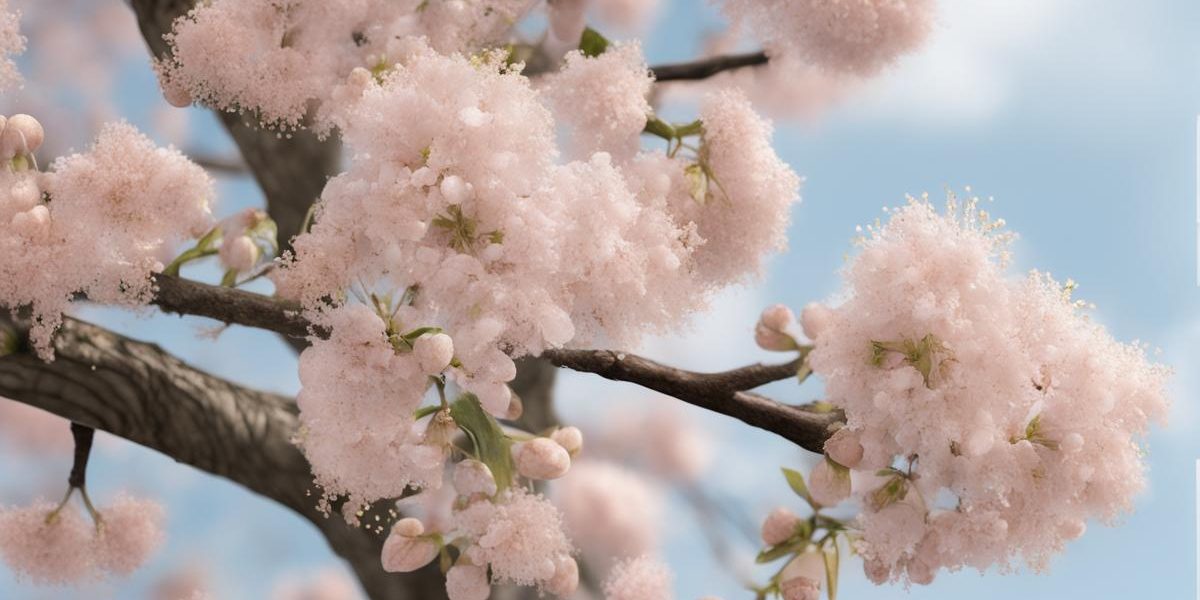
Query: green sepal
(592, 44)
(492, 447)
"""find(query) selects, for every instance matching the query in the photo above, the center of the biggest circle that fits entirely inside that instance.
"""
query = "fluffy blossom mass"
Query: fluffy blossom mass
(1002, 417)
(67, 548)
(455, 214)
(853, 36)
(274, 57)
(642, 578)
(12, 43)
(115, 215)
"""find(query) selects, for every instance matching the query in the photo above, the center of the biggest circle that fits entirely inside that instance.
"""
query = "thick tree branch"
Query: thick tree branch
(707, 67)
(726, 392)
(139, 392)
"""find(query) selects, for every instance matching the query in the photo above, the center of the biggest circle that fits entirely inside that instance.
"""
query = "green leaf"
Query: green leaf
(592, 44)
(775, 553)
(796, 481)
(492, 446)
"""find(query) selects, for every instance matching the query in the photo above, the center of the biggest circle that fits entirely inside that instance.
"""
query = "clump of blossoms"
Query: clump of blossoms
(12, 43)
(641, 578)
(498, 532)
(859, 37)
(276, 58)
(98, 223)
(56, 545)
(987, 418)
(454, 216)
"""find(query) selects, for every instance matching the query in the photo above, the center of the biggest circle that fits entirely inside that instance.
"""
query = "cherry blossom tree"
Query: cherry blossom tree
(463, 196)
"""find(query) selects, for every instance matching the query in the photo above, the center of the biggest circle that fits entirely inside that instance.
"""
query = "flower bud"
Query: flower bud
(22, 135)
(238, 254)
(24, 194)
(496, 398)
(433, 352)
(454, 189)
(829, 484)
(473, 477)
(877, 571)
(775, 341)
(566, 577)
(570, 438)
(33, 222)
(844, 448)
(801, 578)
(467, 582)
(814, 318)
(779, 526)
(176, 95)
(404, 550)
(919, 572)
(541, 458)
(777, 317)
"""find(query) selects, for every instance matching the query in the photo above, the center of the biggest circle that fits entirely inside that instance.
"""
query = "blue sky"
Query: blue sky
(1077, 116)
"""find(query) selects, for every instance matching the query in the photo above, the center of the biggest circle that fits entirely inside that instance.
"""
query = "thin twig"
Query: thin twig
(707, 67)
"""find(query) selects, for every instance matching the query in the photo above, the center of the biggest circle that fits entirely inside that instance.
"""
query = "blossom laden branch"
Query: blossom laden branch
(726, 392)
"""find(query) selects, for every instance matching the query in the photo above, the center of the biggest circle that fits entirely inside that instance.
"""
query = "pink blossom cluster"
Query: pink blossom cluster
(611, 512)
(858, 37)
(603, 100)
(356, 410)
(274, 58)
(12, 43)
(67, 548)
(987, 418)
(454, 194)
(640, 578)
(510, 536)
(99, 223)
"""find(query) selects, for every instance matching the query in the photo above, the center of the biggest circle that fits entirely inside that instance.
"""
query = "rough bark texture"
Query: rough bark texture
(139, 392)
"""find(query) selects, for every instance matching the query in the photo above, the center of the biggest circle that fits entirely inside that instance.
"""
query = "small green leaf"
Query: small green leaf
(796, 481)
(492, 446)
(592, 44)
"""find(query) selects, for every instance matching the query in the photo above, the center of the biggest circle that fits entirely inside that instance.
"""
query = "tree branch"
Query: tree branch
(726, 392)
(139, 392)
(707, 67)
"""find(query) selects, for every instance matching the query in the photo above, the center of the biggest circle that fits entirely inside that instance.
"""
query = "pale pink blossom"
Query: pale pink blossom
(642, 578)
(566, 577)
(541, 458)
(130, 533)
(570, 438)
(434, 352)
(12, 43)
(406, 549)
(472, 477)
(602, 99)
(1006, 394)
(860, 37)
(611, 511)
(22, 136)
(843, 448)
(779, 526)
(829, 484)
(328, 583)
(519, 536)
(802, 577)
(238, 253)
(467, 582)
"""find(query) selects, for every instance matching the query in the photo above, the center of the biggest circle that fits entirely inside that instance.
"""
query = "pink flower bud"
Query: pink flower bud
(433, 352)
(176, 95)
(919, 572)
(455, 190)
(33, 222)
(22, 134)
(24, 194)
(541, 458)
(779, 526)
(238, 254)
(814, 318)
(877, 571)
(777, 318)
(769, 339)
(800, 588)
(473, 477)
(570, 438)
(467, 582)
(844, 448)
(1072, 529)
(567, 19)
(495, 398)
(829, 484)
(566, 577)
(801, 578)
(404, 551)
